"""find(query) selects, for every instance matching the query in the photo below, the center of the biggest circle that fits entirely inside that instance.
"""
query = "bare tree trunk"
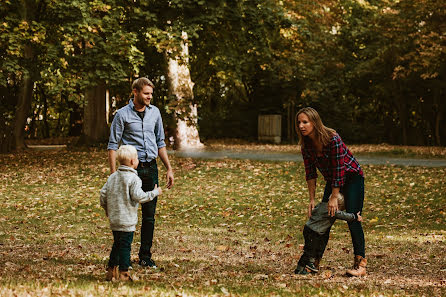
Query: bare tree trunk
(291, 126)
(46, 127)
(7, 99)
(438, 120)
(402, 111)
(33, 126)
(95, 127)
(107, 106)
(439, 115)
(181, 86)
(22, 110)
(27, 84)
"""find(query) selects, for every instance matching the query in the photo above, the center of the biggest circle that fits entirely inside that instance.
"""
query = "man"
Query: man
(139, 124)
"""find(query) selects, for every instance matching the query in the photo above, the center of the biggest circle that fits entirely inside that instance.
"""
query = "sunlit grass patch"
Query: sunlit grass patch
(227, 227)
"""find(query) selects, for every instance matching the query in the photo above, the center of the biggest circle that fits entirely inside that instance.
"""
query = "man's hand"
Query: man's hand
(333, 204)
(162, 153)
(359, 216)
(170, 178)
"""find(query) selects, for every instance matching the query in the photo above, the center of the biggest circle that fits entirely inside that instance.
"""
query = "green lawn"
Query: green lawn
(228, 227)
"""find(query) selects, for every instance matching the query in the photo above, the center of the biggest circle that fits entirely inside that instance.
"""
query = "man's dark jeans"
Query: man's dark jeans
(149, 177)
(120, 253)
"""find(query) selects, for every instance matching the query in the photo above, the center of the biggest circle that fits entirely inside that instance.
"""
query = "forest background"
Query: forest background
(375, 70)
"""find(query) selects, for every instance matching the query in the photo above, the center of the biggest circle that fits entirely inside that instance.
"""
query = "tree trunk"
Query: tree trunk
(403, 122)
(181, 87)
(27, 84)
(95, 127)
(6, 124)
(33, 126)
(107, 106)
(291, 122)
(75, 121)
(438, 116)
(46, 127)
(402, 111)
(22, 111)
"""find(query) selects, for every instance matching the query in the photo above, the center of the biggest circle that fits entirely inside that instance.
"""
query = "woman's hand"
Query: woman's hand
(333, 204)
(310, 207)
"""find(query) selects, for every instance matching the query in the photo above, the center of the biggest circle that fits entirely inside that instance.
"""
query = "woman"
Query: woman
(323, 148)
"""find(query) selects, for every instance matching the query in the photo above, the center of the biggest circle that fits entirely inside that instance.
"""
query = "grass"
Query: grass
(396, 151)
(228, 227)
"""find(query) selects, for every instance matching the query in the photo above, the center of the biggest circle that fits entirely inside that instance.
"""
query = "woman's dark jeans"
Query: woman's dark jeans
(353, 191)
(120, 253)
(149, 177)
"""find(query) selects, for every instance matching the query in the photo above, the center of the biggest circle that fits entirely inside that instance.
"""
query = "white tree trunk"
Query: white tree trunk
(181, 86)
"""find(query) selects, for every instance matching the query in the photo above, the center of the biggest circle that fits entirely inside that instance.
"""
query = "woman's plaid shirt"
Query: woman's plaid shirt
(335, 162)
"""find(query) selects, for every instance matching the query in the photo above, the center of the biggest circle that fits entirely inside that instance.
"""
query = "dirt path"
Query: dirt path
(270, 156)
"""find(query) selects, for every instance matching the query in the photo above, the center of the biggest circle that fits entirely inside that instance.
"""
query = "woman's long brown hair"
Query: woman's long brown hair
(323, 134)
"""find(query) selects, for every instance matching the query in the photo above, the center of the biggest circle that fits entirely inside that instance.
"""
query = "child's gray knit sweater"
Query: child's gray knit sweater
(320, 220)
(120, 197)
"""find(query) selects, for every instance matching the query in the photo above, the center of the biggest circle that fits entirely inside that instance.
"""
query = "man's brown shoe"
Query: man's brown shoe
(112, 274)
(125, 276)
(359, 267)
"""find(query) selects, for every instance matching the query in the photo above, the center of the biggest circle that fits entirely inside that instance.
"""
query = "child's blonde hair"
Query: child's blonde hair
(341, 202)
(126, 153)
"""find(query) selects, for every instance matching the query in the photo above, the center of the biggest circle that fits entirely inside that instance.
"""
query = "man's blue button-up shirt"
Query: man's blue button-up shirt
(146, 135)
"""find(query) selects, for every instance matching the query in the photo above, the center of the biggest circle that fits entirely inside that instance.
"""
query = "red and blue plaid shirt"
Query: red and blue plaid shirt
(335, 162)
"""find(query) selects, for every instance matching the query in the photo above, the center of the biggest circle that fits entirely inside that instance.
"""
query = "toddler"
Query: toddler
(120, 197)
(315, 234)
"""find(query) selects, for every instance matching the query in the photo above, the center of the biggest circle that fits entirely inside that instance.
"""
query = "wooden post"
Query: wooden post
(270, 128)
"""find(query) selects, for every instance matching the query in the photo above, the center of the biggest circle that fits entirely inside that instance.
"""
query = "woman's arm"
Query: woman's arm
(333, 201)
(310, 176)
(311, 183)
(337, 154)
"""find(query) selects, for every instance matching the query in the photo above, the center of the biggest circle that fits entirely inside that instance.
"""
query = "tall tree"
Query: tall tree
(102, 54)
(20, 32)
(175, 21)
(181, 88)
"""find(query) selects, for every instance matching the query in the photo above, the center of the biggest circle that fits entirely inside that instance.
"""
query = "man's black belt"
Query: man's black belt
(146, 164)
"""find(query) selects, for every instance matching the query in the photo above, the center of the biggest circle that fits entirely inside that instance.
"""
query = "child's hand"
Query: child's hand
(359, 216)
(159, 190)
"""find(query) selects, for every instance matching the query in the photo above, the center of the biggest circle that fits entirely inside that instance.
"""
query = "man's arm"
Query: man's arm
(112, 160)
(116, 131)
(162, 152)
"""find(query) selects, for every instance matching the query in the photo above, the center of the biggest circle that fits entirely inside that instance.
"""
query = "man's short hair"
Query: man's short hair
(126, 153)
(139, 83)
